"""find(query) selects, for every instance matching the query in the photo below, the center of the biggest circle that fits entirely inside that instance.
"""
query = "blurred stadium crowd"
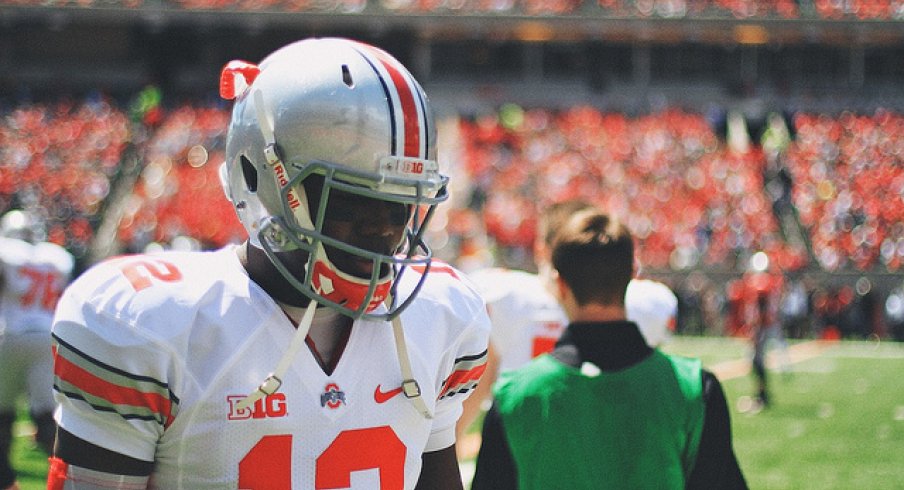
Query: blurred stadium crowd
(817, 194)
(740, 9)
(821, 195)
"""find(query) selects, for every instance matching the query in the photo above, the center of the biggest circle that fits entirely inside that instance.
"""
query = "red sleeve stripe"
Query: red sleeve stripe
(141, 400)
(405, 103)
(463, 380)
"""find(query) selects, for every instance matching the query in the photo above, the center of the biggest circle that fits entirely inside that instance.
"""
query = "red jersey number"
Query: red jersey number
(139, 272)
(44, 288)
(268, 466)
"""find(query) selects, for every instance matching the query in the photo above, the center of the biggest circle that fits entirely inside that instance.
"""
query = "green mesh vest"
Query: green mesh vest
(638, 428)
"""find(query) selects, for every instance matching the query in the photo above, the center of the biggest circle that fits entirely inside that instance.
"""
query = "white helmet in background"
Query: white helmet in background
(321, 115)
(21, 225)
(653, 307)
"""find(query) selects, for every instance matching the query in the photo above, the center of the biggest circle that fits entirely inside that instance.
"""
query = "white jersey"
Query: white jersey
(527, 320)
(154, 352)
(33, 276)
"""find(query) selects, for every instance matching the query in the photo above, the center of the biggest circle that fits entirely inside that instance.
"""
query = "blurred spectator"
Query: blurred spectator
(845, 171)
(174, 196)
(60, 160)
(832, 10)
(692, 203)
(688, 199)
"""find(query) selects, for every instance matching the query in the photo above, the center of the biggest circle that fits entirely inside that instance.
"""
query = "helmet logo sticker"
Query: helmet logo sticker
(407, 166)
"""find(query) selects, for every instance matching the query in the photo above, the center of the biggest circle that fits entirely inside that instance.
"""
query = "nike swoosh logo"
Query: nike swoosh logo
(384, 396)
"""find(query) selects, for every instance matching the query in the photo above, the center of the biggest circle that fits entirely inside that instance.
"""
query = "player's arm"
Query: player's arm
(77, 451)
(496, 468)
(103, 442)
(473, 405)
(716, 465)
(80, 465)
(440, 471)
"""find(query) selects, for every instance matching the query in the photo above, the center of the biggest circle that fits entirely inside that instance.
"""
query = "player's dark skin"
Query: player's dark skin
(366, 223)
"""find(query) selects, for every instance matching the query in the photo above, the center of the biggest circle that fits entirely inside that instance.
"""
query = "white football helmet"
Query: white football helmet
(334, 114)
(22, 225)
(653, 307)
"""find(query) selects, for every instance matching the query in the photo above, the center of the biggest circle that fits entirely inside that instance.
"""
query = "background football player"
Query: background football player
(33, 274)
(527, 320)
(605, 409)
(328, 350)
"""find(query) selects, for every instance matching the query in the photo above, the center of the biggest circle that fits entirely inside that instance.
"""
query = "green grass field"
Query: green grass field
(30, 463)
(837, 421)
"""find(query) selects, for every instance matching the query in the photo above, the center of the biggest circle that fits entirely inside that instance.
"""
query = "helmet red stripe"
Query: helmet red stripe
(410, 112)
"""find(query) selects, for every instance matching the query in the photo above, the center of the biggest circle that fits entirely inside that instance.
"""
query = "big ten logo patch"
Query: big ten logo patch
(271, 406)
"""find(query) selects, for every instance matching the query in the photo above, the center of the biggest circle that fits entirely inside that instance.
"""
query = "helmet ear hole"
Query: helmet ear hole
(347, 77)
(250, 174)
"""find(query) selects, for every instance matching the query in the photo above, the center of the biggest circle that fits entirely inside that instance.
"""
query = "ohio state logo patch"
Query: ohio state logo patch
(332, 396)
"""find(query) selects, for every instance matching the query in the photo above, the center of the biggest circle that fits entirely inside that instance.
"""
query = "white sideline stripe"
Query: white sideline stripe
(775, 359)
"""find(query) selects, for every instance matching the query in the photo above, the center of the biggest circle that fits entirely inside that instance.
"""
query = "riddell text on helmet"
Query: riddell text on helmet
(280, 170)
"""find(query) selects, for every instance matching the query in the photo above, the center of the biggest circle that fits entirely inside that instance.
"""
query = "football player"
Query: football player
(33, 274)
(527, 320)
(327, 351)
(604, 409)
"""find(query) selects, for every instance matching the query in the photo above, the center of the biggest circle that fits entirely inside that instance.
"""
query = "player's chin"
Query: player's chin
(355, 265)
(295, 260)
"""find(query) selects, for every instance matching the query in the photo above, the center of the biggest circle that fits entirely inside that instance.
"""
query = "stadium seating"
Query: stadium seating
(178, 193)
(689, 199)
(694, 200)
(849, 188)
(671, 9)
(61, 160)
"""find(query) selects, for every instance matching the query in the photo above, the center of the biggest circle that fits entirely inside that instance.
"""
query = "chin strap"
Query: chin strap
(274, 380)
(410, 387)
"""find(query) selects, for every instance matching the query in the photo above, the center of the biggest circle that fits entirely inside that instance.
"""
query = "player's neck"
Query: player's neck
(327, 336)
(595, 312)
(265, 275)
